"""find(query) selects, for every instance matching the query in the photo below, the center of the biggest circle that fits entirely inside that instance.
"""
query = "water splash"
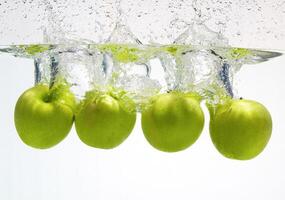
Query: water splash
(122, 44)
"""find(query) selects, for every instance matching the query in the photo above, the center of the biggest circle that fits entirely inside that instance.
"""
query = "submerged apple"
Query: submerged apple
(240, 129)
(173, 121)
(43, 117)
(104, 120)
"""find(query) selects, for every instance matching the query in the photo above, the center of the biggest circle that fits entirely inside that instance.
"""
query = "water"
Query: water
(98, 48)
(214, 48)
(72, 170)
(208, 71)
(248, 24)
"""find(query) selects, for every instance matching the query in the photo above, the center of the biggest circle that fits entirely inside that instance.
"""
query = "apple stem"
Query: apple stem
(53, 71)
(224, 76)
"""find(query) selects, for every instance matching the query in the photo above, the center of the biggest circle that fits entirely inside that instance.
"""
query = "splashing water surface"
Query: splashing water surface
(144, 47)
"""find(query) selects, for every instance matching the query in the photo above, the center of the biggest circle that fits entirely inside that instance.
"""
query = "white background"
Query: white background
(135, 170)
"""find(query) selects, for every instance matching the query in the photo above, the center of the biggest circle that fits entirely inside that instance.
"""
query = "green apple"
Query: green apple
(105, 120)
(43, 117)
(240, 129)
(173, 121)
